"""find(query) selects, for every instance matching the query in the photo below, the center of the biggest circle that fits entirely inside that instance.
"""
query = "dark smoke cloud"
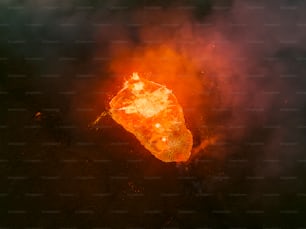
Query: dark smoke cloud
(261, 47)
(58, 55)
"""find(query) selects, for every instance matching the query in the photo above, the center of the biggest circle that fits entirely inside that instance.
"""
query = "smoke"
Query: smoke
(236, 67)
(239, 61)
(253, 51)
(246, 74)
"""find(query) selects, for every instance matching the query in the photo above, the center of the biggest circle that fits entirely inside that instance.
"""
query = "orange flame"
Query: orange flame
(152, 113)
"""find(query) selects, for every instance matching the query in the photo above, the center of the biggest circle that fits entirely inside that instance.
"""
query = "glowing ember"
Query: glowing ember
(152, 113)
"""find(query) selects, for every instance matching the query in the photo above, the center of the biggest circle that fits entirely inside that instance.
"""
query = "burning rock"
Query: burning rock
(152, 113)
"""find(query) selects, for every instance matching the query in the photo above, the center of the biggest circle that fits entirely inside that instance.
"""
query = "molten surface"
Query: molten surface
(152, 113)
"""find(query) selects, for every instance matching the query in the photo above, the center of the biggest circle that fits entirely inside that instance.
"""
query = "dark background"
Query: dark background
(56, 172)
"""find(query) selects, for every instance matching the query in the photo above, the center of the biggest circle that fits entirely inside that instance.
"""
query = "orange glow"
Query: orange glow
(164, 65)
(152, 113)
(194, 83)
(38, 116)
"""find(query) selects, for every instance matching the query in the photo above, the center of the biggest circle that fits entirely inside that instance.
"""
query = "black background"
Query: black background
(56, 172)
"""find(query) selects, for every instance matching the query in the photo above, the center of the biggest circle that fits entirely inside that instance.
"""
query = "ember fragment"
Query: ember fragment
(152, 113)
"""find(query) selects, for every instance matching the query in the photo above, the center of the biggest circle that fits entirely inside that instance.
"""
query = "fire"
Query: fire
(152, 113)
